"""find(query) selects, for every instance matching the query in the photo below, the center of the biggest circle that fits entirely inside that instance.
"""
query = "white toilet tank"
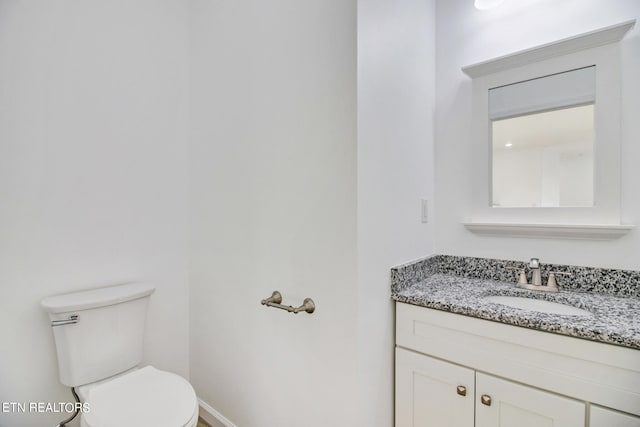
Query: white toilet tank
(107, 335)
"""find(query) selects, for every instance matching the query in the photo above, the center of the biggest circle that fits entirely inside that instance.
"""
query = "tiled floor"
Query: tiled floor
(202, 423)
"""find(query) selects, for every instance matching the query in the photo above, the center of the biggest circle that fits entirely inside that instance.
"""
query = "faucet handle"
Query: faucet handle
(534, 263)
(551, 282)
(522, 280)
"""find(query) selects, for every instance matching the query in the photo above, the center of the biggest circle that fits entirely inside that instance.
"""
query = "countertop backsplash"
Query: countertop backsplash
(585, 279)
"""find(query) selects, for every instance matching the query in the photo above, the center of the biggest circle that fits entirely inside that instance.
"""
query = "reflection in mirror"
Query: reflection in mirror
(542, 134)
(544, 159)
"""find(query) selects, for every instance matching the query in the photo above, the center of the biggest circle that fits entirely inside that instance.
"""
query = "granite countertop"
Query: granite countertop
(433, 283)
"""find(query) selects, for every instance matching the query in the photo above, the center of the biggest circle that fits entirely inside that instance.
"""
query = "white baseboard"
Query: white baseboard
(212, 416)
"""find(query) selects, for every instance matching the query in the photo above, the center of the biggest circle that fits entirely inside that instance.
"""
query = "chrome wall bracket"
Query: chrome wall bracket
(275, 301)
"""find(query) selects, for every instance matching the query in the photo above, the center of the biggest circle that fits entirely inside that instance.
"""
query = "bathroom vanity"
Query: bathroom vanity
(463, 360)
(474, 349)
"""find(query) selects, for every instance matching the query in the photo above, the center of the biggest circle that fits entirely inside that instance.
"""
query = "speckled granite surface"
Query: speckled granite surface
(459, 284)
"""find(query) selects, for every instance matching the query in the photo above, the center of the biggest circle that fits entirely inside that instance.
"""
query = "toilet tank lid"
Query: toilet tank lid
(85, 300)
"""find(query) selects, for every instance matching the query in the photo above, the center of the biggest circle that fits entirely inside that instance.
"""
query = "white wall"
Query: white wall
(92, 175)
(396, 92)
(273, 206)
(466, 36)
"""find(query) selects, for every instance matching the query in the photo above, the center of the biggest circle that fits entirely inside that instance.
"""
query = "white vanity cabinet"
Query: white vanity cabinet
(505, 403)
(459, 371)
(431, 392)
(603, 417)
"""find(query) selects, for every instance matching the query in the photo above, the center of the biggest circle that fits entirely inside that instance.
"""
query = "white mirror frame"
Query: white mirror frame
(602, 221)
(606, 209)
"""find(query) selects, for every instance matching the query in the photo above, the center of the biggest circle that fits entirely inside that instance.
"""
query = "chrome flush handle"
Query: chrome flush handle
(74, 318)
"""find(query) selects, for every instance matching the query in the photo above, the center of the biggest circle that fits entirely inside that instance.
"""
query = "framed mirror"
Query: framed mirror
(544, 142)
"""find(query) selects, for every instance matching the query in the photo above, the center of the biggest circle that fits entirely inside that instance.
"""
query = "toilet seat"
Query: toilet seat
(141, 398)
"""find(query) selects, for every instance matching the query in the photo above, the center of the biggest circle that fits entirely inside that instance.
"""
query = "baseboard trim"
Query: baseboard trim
(212, 416)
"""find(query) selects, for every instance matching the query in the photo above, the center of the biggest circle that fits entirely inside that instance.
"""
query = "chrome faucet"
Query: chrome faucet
(536, 278)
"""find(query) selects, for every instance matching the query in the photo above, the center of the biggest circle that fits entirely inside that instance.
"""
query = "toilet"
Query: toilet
(99, 337)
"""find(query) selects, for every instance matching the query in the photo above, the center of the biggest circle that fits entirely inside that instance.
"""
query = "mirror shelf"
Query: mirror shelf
(599, 37)
(550, 231)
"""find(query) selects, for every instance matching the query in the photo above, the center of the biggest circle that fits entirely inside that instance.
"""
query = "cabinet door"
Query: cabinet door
(603, 417)
(503, 403)
(432, 393)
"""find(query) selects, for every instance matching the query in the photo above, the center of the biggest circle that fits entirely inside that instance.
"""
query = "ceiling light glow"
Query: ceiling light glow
(487, 4)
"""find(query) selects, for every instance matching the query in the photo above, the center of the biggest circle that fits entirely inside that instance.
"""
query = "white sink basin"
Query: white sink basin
(540, 306)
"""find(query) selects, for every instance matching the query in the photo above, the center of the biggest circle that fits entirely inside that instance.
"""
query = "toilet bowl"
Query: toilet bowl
(139, 398)
(99, 335)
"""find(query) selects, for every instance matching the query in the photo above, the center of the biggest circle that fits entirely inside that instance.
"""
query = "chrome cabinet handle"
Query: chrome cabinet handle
(462, 390)
(485, 399)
